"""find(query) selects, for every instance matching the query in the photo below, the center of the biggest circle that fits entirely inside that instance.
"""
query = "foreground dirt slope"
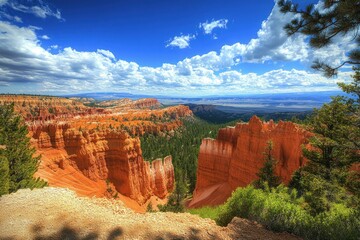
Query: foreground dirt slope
(56, 213)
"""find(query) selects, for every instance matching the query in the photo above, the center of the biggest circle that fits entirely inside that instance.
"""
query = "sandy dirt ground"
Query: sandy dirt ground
(57, 213)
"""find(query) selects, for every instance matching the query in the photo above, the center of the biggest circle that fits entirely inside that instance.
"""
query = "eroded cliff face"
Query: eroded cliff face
(233, 159)
(47, 108)
(94, 151)
(85, 160)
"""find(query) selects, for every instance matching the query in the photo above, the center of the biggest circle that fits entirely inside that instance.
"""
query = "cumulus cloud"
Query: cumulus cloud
(45, 37)
(208, 27)
(106, 53)
(272, 43)
(25, 63)
(182, 41)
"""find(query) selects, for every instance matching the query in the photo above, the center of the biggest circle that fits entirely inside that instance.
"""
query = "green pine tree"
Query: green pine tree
(325, 177)
(4, 175)
(353, 89)
(337, 19)
(266, 174)
(17, 153)
(336, 126)
(332, 153)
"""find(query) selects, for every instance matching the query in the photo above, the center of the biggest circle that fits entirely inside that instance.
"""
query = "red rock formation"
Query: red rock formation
(47, 108)
(147, 103)
(89, 149)
(98, 156)
(234, 158)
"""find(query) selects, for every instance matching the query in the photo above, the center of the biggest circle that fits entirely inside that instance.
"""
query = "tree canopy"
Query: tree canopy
(336, 125)
(322, 23)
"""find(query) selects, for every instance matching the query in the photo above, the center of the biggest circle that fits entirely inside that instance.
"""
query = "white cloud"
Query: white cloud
(17, 19)
(208, 27)
(181, 42)
(36, 7)
(45, 37)
(106, 53)
(24, 62)
(9, 17)
(3, 2)
(272, 43)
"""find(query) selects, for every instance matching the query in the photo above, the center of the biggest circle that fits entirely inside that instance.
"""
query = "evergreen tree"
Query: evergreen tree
(17, 153)
(266, 174)
(4, 175)
(337, 18)
(334, 149)
(176, 198)
(332, 153)
(336, 126)
(181, 188)
(353, 89)
(149, 208)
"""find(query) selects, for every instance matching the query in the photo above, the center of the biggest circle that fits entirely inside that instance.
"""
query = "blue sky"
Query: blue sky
(178, 48)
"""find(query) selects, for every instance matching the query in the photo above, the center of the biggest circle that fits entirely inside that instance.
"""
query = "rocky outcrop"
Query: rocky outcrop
(147, 103)
(234, 158)
(100, 156)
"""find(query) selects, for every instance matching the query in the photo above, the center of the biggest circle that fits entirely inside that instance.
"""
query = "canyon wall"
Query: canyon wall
(94, 151)
(84, 160)
(233, 159)
(47, 108)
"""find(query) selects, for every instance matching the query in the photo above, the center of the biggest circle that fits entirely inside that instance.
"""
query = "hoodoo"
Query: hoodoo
(94, 150)
(233, 159)
(84, 160)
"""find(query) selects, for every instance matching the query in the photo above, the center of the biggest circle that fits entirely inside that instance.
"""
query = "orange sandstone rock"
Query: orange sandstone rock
(97, 156)
(90, 150)
(234, 158)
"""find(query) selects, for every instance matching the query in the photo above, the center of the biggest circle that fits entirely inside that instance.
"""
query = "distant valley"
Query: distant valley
(222, 109)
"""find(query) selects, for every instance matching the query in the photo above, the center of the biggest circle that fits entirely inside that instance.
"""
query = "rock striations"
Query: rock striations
(234, 158)
(84, 160)
(96, 151)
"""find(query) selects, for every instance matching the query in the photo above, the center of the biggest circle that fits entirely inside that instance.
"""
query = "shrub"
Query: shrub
(280, 210)
(206, 212)
(149, 208)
